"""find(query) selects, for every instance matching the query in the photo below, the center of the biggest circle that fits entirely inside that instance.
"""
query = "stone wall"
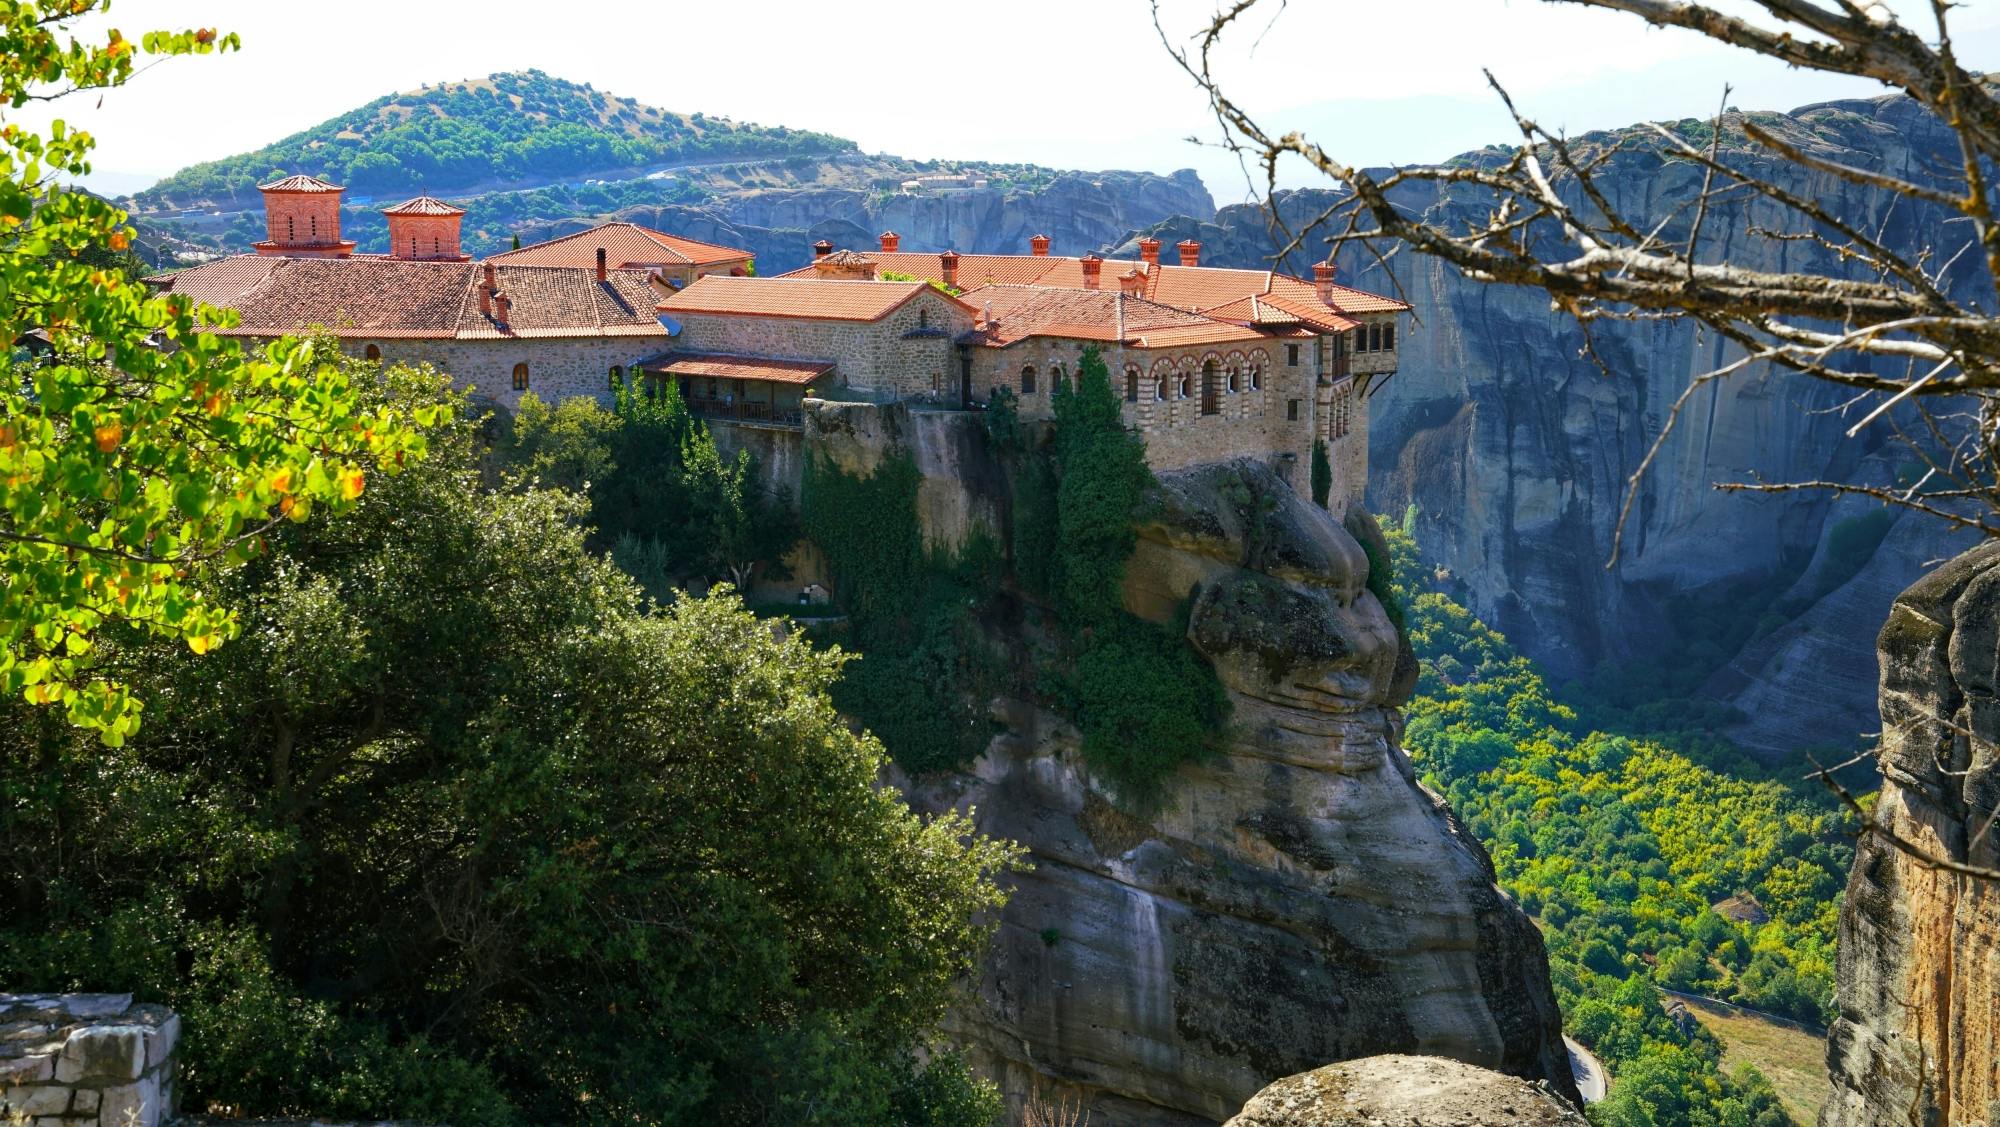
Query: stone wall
(906, 355)
(558, 368)
(79, 1060)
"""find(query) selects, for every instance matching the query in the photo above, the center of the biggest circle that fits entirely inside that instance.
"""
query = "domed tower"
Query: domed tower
(425, 229)
(302, 216)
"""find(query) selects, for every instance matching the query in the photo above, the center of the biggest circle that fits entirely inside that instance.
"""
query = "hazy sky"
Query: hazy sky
(1068, 83)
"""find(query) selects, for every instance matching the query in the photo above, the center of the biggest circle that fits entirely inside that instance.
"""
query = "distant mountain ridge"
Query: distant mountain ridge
(505, 128)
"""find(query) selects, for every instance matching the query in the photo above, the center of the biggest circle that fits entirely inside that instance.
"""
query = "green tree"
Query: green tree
(459, 830)
(130, 470)
(1101, 476)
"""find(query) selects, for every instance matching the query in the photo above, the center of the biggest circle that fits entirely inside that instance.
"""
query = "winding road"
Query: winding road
(1591, 1078)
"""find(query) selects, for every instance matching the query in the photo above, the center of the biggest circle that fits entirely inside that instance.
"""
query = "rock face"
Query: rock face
(1920, 946)
(1408, 1092)
(1516, 449)
(1080, 212)
(1300, 899)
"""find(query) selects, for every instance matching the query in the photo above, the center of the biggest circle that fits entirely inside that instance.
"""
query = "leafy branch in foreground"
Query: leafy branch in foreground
(137, 451)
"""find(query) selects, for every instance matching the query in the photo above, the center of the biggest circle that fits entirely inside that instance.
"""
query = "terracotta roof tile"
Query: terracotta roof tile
(625, 244)
(1020, 312)
(820, 299)
(424, 205)
(722, 366)
(389, 297)
(300, 184)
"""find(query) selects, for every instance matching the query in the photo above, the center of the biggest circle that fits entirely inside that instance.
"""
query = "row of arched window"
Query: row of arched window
(1376, 337)
(1231, 380)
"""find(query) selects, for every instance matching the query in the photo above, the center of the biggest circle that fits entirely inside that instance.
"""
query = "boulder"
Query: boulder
(1405, 1091)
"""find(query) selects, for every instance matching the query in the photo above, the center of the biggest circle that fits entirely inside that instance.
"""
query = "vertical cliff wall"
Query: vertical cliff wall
(1516, 448)
(1298, 900)
(1918, 1034)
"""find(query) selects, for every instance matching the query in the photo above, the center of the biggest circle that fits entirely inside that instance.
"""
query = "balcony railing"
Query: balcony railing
(749, 411)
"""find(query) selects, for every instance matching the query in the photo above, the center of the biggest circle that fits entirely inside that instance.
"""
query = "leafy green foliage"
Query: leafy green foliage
(1619, 847)
(1101, 476)
(505, 127)
(128, 471)
(459, 830)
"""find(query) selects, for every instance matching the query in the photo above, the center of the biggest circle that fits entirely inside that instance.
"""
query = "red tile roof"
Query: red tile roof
(423, 205)
(399, 298)
(1196, 288)
(625, 244)
(722, 366)
(300, 184)
(1019, 312)
(819, 299)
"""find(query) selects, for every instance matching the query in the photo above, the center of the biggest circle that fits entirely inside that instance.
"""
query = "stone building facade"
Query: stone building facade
(502, 370)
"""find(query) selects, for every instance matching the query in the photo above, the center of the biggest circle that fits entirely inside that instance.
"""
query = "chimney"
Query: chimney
(1149, 250)
(1092, 265)
(821, 249)
(1190, 252)
(502, 306)
(1323, 275)
(600, 264)
(1039, 244)
(890, 241)
(487, 285)
(948, 268)
(1133, 282)
(986, 315)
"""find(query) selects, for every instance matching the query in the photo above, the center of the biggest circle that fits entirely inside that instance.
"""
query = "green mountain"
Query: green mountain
(500, 130)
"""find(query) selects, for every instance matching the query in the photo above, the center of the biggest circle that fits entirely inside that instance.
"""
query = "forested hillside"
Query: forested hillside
(522, 126)
(1622, 845)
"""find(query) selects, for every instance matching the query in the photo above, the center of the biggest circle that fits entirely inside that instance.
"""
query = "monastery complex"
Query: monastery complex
(1212, 363)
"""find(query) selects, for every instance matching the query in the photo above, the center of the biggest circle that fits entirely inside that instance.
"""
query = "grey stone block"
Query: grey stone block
(45, 1099)
(27, 1069)
(111, 1052)
(132, 1105)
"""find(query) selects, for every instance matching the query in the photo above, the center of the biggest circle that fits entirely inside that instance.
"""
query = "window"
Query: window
(1256, 377)
(1232, 381)
(923, 318)
(1375, 337)
(1292, 410)
(1131, 383)
(521, 376)
(617, 379)
(1160, 389)
(1291, 356)
(1187, 386)
(1389, 336)
(1211, 382)
(1361, 339)
(372, 352)
(1027, 379)
(1057, 376)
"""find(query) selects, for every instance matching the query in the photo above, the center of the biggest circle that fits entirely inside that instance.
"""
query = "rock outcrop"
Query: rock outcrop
(1079, 211)
(1405, 1091)
(1299, 899)
(1917, 1039)
(1516, 448)
(81, 1060)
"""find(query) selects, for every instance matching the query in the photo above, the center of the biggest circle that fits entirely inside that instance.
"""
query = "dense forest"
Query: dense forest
(504, 128)
(1623, 846)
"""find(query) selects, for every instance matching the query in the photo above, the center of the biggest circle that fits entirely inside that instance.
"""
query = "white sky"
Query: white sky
(1065, 83)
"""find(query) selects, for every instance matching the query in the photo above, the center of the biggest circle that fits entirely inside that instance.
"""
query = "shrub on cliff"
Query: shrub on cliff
(458, 830)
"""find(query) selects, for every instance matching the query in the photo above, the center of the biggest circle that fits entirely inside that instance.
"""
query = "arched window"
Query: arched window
(372, 352)
(521, 376)
(1027, 379)
(923, 318)
(1389, 336)
(617, 380)
(1057, 376)
(1232, 381)
(1211, 382)
(1375, 337)
(1131, 383)
(1256, 377)
(1187, 386)
(1160, 389)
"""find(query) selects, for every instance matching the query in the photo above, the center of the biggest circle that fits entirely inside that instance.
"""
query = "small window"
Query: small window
(1375, 338)
(1132, 383)
(1292, 355)
(1389, 336)
(1256, 377)
(617, 379)
(521, 376)
(1057, 376)
(1187, 385)
(1027, 379)
(923, 318)
(372, 352)
(1292, 410)
(1160, 390)
(1233, 376)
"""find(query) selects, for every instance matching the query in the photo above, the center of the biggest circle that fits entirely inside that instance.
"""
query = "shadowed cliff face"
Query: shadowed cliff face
(1919, 946)
(1516, 448)
(1300, 899)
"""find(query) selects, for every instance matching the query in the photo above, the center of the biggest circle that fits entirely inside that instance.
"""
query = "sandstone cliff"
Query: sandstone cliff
(1917, 1039)
(1516, 448)
(1301, 899)
(1396, 1089)
(1079, 211)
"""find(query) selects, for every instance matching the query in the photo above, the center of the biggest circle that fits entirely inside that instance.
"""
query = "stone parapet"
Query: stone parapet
(80, 1060)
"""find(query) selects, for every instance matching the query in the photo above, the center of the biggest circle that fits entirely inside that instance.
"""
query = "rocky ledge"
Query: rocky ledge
(1300, 899)
(1406, 1091)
